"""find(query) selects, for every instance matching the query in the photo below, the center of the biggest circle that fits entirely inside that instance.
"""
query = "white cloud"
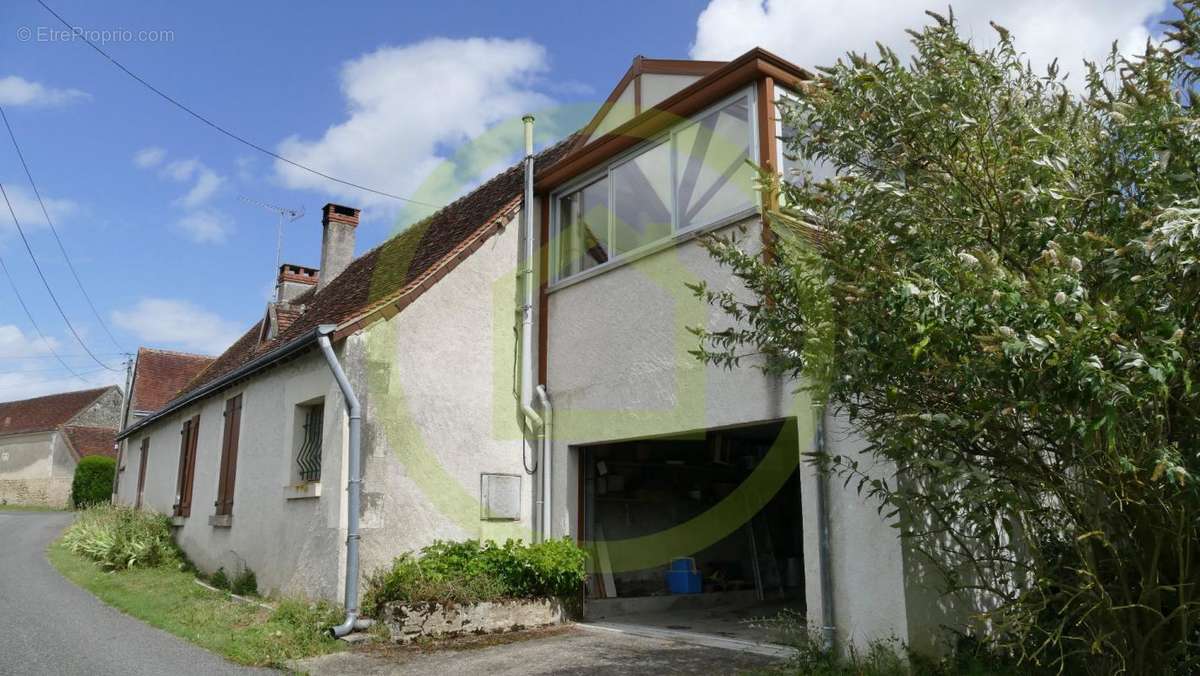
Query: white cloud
(29, 212)
(30, 369)
(817, 32)
(207, 184)
(408, 103)
(205, 226)
(17, 91)
(177, 323)
(149, 157)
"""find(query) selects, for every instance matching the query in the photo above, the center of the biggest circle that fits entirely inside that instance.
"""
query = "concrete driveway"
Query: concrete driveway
(50, 626)
(578, 649)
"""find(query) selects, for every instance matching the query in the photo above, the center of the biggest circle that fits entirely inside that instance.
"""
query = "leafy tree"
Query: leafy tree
(996, 278)
(92, 483)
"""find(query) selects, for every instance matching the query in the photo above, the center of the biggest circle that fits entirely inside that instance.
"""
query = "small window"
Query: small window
(583, 237)
(310, 421)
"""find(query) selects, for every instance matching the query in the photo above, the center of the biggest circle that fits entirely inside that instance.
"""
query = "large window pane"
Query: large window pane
(713, 177)
(642, 199)
(583, 229)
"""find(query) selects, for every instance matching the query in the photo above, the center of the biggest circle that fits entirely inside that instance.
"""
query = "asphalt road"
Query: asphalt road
(50, 626)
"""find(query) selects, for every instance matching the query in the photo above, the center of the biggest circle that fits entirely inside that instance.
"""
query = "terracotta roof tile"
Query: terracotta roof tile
(42, 414)
(91, 440)
(394, 267)
(160, 375)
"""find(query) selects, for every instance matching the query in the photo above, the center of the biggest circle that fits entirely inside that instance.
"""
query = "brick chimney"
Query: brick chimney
(293, 280)
(337, 241)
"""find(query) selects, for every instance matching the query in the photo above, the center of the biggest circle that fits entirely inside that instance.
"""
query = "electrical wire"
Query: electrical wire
(63, 249)
(45, 283)
(29, 316)
(175, 102)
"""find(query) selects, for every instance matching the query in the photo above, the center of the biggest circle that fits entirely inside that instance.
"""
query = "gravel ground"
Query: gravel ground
(570, 650)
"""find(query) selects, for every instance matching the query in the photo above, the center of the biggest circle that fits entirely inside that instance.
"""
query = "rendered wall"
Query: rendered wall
(294, 546)
(436, 382)
(618, 368)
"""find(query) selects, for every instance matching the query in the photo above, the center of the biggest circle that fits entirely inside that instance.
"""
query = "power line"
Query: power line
(45, 283)
(54, 230)
(29, 316)
(80, 35)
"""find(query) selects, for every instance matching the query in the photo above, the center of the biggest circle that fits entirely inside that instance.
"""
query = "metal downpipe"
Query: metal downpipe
(353, 484)
(824, 558)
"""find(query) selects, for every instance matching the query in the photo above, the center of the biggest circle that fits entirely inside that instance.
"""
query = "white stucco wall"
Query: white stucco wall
(436, 384)
(618, 368)
(293, 546)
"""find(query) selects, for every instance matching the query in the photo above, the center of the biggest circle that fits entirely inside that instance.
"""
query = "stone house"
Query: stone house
(42, 439)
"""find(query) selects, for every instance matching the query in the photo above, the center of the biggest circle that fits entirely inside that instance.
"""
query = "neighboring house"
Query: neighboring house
(42, 439)
(645, 456)
(156, 377)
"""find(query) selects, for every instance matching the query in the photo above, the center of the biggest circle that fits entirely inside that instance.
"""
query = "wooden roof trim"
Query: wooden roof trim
(641, 65)
(753, 65)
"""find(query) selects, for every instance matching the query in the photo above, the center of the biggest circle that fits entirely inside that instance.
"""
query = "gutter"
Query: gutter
(353, 484)
(249, 368)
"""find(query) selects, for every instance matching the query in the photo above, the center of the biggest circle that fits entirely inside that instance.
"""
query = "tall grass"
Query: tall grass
(119, 538)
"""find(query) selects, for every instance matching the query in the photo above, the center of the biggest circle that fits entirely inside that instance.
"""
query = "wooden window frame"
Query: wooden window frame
(187, 466)
(226, 478)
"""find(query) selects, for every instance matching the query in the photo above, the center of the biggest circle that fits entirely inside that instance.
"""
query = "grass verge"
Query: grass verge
(167, 598)
(30, 508)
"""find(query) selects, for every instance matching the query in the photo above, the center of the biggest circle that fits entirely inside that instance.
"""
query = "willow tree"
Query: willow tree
(994, 273)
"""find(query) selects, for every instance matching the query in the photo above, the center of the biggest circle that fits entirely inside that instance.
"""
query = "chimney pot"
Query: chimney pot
(338, 224)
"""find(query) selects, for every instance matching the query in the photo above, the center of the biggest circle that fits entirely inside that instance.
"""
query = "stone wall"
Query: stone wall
(408, 623)
(104, 412)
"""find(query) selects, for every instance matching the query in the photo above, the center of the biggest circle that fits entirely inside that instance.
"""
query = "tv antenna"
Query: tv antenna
(292, 215)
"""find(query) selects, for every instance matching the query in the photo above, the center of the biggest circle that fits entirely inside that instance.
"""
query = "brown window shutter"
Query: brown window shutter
(142, 472)
(190, 478)
(229, 449)
(181, 474)
(187, 466)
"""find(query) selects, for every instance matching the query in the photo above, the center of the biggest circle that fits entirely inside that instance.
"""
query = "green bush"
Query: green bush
(118, 538)
(93, 481)
(470, 571)
(244, 583)
(220, 580)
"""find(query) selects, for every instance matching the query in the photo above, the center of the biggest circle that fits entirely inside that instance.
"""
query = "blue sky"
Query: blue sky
(146, 198)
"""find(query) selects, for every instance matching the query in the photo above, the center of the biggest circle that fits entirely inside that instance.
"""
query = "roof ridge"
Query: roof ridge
(178, 353)
(59, 394)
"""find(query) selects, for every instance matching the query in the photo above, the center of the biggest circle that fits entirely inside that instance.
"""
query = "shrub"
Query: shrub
(470, 571)
(220, 580)
(93, 481)
(244, 583)
(119, 538)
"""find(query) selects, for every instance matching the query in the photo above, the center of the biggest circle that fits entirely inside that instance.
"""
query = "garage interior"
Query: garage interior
(637, 488)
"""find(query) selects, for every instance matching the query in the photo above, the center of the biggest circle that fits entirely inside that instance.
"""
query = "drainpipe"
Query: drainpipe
(528, 285)
(353, 485)
(546, 438)
(823, 556)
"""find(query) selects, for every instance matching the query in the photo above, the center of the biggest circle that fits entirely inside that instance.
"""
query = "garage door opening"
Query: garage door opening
(670, 498)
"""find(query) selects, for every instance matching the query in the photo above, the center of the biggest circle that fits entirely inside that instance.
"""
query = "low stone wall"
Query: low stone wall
(44, 492)
(408, 623)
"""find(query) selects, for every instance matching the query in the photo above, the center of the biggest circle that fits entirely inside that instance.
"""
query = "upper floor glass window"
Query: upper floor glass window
(694, 176)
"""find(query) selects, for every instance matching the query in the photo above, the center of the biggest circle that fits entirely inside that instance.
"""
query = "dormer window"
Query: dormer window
(693, 177)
